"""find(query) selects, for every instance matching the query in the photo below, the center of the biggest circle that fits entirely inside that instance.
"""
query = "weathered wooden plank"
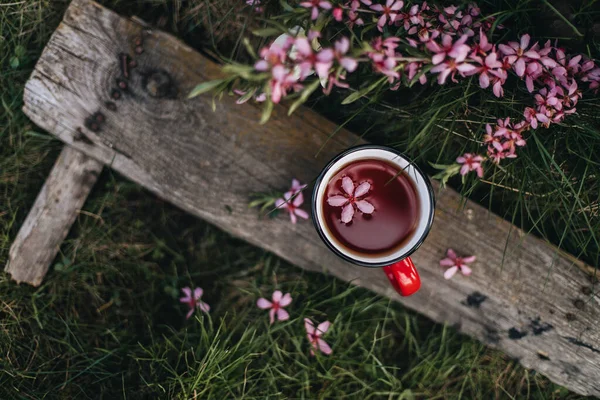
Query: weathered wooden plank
(208, 162)
(54, 211)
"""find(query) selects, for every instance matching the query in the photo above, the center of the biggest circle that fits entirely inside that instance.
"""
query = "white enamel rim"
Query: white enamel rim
(424, 192)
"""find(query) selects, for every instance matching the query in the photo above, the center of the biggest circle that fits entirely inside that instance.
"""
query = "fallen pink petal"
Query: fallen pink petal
(315, 335)
(455, 264)
(276, 306)
(193, 300)
(292, 201)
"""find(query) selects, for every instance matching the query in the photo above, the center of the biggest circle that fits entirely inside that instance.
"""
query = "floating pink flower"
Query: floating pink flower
(315, 5)
(292, 200)
(194, 301)
(315, 336)
(275, 307)
(389, 12)
(470, 163)
(455, 263)
(350, 199)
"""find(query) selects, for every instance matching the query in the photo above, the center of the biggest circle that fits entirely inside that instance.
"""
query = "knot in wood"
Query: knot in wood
(158, 84)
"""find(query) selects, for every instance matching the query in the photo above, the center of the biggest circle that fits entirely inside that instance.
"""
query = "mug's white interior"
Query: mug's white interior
(419, 182)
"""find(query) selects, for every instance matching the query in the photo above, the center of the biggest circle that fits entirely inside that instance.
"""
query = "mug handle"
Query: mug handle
(403, 276)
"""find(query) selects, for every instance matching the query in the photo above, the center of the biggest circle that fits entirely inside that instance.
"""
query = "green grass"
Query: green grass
(106, 322)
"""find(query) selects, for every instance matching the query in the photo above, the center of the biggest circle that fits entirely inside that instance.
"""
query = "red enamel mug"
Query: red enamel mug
(396, 262)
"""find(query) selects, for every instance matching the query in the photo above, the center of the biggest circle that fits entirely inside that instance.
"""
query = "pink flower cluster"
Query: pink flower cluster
(295, 60)
(448, 36)
(454, 43)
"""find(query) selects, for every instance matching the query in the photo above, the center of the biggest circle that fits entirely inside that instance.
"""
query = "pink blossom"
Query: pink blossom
(351, 199)
(272, 56)
(275, 307)
(259, 98)
(315, 5)
(457, 50)
(413, 69)
(455, 264)
(292, 200)
(338, 13)
(489, 65)
(321, 61)
(389, 12)
(194, 301)
(450, 68)
(517, 54)
(255, 4)
(482, 47)
(341, 47)
(532, 117)
(354, 19)
(384, 57)
(470, 163)
(314, 336)
(281, 82)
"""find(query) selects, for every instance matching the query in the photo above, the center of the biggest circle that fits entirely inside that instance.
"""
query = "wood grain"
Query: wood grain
(50, 219)
(209, 162)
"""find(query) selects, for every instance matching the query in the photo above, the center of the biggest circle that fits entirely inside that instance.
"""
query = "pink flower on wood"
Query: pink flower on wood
(351, 199)
(292, 200)
(455, 263)
(194, 301)
(314, 336)
(470, 163)
(315, 5)
(389, 12)
(275, 307)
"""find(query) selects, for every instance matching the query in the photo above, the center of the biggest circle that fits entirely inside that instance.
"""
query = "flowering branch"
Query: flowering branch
(414, 43)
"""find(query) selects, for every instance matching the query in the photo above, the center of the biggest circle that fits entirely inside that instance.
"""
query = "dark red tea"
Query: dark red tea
(385, 224)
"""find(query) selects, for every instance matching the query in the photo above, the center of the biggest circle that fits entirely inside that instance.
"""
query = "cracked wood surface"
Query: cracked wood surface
(520, 298)
(54, 211)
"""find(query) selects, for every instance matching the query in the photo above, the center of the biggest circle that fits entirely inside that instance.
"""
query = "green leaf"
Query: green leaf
(205, 87)
(362, 92)
(284, 4)
(267, 110)
(14, 62)
(20, 51)
(304, 96)
(249, 47)
(266, 32)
